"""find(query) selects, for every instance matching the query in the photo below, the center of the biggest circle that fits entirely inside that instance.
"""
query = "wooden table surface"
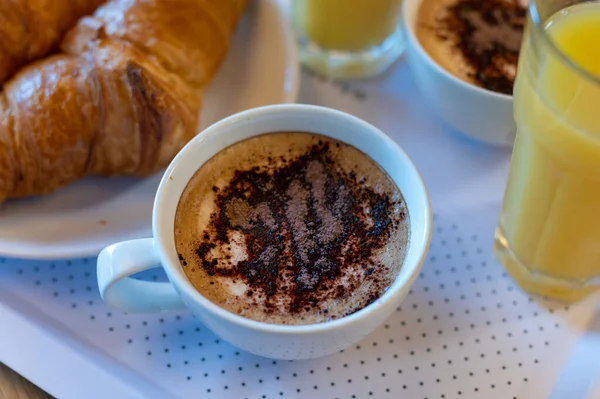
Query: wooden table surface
(13, 386)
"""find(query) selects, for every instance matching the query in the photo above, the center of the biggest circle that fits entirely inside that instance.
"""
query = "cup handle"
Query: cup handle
(119, 261)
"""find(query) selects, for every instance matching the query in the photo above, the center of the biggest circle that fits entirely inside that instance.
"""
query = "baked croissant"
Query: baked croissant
(122, 99)
(30, 29)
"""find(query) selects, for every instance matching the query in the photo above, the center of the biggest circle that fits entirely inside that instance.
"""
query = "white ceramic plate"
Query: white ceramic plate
(81, 219)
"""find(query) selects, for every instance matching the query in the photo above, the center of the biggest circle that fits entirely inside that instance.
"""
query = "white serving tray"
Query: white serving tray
(465, 331)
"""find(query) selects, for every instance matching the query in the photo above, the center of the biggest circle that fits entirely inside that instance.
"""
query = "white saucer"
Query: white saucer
(81, 219)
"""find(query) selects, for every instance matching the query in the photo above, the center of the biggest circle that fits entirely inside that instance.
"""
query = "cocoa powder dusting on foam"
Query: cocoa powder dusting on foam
(488, 34)
(304, 223)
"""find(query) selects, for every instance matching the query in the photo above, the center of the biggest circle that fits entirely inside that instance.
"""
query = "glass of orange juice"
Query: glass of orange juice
(548, 237)
(348, 38)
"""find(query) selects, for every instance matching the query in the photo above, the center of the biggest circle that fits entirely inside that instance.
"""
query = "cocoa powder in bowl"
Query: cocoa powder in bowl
(475, 40)
(291, 228)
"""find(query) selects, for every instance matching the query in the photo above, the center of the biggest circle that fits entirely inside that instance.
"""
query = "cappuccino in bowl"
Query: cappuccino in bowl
(463, 55)
(291, 231)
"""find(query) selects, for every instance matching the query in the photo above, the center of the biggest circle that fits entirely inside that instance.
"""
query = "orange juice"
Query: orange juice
(549, 233)
(349, 25)
(348, 38)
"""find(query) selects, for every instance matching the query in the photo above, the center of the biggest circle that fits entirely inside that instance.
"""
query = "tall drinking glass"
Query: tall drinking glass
(548, 237)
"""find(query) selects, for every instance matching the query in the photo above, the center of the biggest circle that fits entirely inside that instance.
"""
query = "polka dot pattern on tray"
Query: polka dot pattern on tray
(464, 330)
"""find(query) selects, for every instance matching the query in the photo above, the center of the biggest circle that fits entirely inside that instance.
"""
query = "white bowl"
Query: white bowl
(476, 112)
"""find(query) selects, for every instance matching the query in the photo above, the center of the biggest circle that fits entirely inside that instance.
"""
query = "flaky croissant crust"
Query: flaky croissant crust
(121, 99)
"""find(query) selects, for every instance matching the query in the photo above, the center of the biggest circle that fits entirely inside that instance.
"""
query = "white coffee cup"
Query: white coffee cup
(119, 261)
(476, 112)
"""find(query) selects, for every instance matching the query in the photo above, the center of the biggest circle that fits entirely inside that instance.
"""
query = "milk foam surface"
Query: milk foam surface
(291, 228)
(477, 41)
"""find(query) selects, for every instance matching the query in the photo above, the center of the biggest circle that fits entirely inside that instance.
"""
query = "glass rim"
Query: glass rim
(538, 25)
